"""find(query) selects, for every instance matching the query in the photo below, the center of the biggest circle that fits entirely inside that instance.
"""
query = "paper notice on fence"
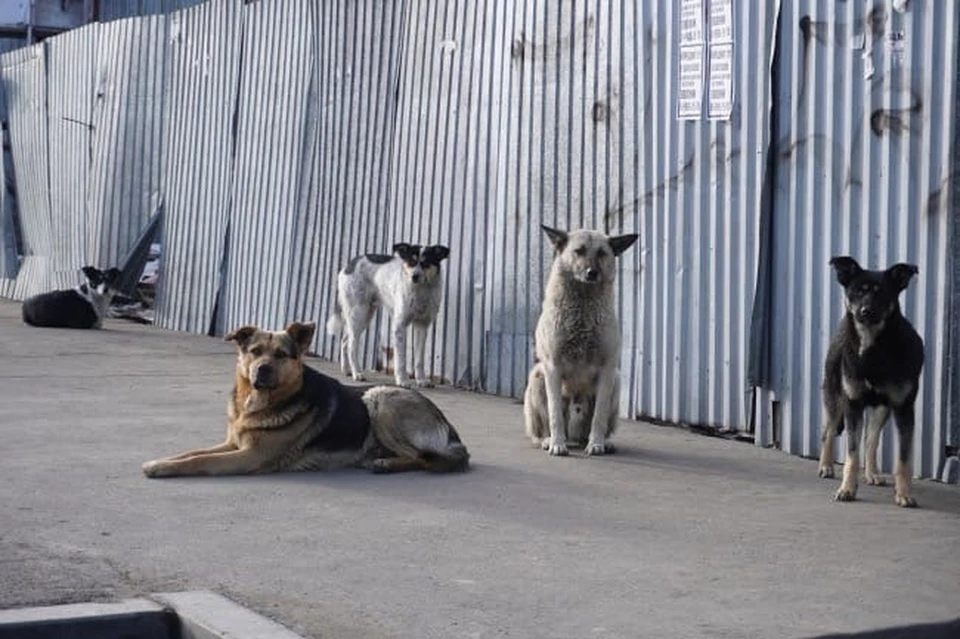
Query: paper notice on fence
(720, 98)
(691, 22)
(721, 21)
(690, 85)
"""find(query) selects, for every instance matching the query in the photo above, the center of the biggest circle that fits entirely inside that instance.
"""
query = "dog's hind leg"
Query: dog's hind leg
(614, 419)
(853, 419)
(419, 350)
(356, 323)
(875, 422)
(553, 385)
(535, 417)
(832, 419)
(400, 353)
(344, 364)
(383, 465)
(904, 471)
(603, 411)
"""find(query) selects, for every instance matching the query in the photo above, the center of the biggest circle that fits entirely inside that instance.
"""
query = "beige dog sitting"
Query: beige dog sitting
(577, 342)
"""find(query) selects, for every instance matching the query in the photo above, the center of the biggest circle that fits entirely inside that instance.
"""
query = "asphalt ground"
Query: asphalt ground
(676, 535)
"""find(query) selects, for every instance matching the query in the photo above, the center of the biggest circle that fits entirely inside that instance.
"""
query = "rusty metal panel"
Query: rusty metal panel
(200, 98)
(865, 125)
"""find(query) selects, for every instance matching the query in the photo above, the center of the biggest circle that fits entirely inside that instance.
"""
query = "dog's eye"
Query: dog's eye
(601, 254)
(580, 250)
(256, 351)
(281, 354)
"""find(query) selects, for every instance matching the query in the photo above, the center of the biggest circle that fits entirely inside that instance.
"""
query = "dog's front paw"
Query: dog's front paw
(904, 500)
(380, 466)
(153, 468)
(846, 493)
(405, 383)
(826, 472)
(359, 377)
(872, 479)
(558, 449)
(595, 448)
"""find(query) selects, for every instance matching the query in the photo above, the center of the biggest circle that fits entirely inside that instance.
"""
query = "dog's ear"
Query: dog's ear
(402, 249)
(112, 275)
(557, 238)
(846, 268)
(441, 251)
(621, 243)
(302, 334)
(90, 272)
(900, 274)
(241, 335)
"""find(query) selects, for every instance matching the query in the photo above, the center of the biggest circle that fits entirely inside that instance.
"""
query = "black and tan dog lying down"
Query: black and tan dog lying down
(285, 416)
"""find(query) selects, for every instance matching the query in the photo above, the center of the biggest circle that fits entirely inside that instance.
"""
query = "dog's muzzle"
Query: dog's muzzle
(264, 378)
(869, 315)
(592, 274)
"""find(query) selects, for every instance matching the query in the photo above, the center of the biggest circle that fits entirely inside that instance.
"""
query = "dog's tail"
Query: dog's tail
(411, 426)
(335, 321)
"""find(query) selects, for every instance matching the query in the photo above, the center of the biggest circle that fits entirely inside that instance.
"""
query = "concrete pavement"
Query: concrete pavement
(677, 535)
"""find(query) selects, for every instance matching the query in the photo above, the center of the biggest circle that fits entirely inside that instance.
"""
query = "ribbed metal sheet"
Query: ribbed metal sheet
(284, 138)
(200, 98)
(344, 194)
(697, 188)
(565, 113)
(70, 97)
(271, 122)
(864, 168)
(9, 255)
(114, 9)
(125, 156)
(23, 74)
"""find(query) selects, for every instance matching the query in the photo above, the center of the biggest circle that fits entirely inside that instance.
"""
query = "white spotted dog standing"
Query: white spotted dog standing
(410, 284)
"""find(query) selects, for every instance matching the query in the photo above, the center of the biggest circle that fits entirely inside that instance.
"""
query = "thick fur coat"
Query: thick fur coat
(577, 345)
(285, 416)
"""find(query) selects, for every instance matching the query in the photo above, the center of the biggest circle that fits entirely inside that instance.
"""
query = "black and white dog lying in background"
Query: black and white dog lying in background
(409, 283)
(81, 307)
(874, 362)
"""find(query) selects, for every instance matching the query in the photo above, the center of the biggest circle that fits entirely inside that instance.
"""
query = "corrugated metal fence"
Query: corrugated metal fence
(282, 137)
(864, 166)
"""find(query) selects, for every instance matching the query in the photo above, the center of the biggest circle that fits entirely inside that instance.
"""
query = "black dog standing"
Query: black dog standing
(874, 361)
